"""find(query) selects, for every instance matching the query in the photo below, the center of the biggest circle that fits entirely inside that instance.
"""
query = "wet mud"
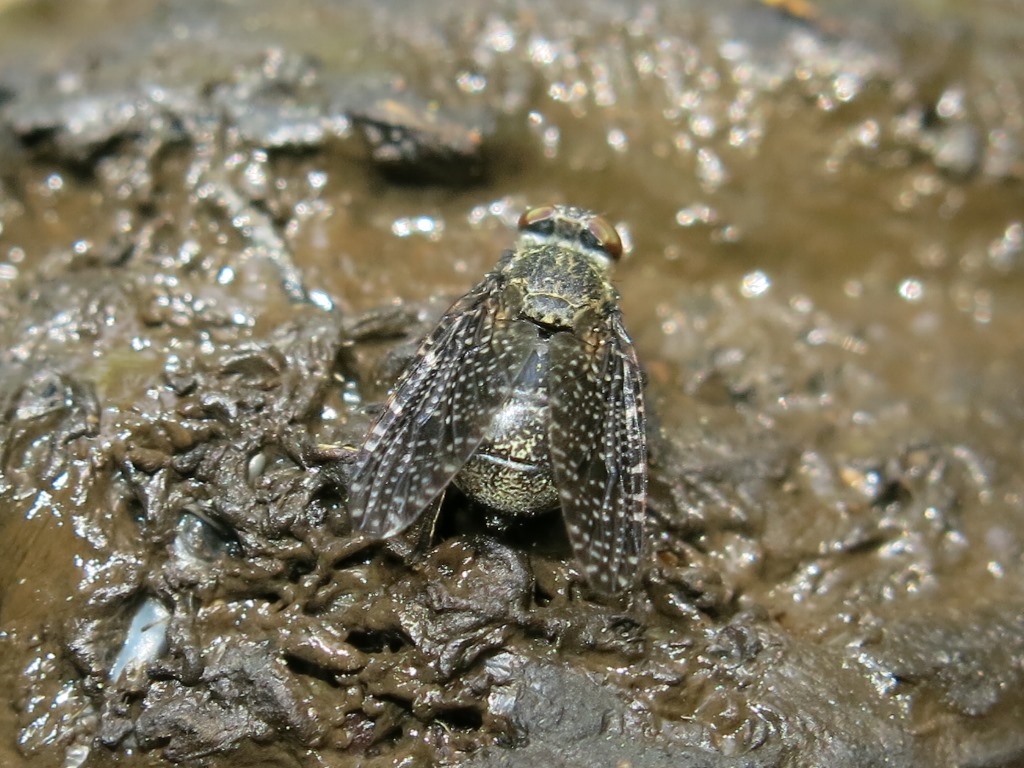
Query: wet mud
(224, 229)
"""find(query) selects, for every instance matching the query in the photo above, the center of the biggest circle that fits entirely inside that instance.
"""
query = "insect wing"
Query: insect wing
(439, 411)
(599, 451)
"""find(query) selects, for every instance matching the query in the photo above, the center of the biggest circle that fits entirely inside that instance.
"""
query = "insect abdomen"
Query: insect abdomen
(511, 470)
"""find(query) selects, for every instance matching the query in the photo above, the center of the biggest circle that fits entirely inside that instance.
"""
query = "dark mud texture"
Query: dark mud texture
(224, 226)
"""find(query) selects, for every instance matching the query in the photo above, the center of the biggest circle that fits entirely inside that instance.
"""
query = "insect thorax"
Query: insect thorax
(555, 285)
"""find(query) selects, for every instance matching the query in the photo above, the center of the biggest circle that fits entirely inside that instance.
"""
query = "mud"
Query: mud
(223, 229)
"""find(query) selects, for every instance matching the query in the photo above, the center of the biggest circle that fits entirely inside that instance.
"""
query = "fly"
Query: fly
(528, 397)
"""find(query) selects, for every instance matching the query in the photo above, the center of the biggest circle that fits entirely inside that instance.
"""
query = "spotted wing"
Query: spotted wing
(599, 451)
(439, 411)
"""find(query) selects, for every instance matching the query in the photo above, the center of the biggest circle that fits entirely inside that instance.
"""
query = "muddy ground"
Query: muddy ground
(222, 228)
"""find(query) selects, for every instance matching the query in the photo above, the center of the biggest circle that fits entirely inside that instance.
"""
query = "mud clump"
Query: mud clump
(222, 234)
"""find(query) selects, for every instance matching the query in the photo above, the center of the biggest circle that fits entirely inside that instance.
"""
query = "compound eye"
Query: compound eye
(608, 239)
(540, 220)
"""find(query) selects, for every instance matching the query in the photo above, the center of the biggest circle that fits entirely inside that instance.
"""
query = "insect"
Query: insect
(528, 396)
